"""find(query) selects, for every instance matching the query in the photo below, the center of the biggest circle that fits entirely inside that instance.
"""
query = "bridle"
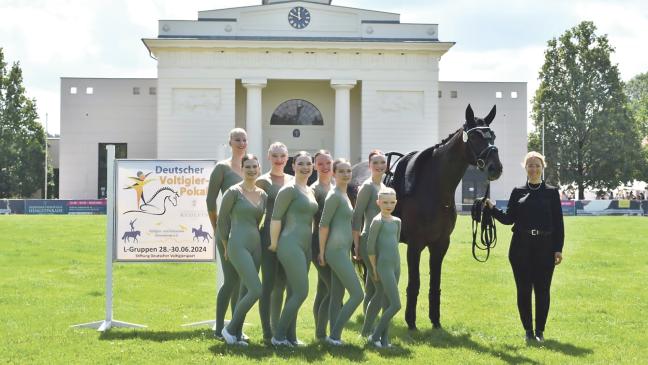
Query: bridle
(482, 219)
(480, 159)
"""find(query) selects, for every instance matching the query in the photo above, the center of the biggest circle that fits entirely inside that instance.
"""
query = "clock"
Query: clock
(299, 17)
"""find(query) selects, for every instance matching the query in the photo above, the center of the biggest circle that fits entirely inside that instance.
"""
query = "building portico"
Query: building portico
(201, 62)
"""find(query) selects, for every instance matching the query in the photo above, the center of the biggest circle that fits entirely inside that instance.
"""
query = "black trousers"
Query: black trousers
(532, 261)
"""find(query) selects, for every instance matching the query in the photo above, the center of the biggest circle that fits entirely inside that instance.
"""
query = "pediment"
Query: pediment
(275, 13)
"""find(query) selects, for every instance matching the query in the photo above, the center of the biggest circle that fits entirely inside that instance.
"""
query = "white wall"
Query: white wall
(510, 124)
(110, 114)
(196, 111)
(399, 115)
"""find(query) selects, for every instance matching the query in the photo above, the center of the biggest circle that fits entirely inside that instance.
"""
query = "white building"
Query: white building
(306, 73)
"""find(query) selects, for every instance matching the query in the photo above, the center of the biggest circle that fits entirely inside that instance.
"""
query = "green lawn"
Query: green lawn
(52, 276)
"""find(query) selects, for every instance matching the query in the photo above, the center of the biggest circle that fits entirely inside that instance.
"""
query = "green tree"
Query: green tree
(637, 91)
(591, 139)
(22, 138)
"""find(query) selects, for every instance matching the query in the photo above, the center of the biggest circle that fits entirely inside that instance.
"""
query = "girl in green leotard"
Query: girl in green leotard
(382, 247)
(238, 227)
(225, 174)
(273, 279)
(321, 187)
(336, 239)
(365, 210)
(295, 205)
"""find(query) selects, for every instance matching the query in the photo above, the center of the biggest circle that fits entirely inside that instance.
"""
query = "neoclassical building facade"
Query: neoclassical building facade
(307, 73)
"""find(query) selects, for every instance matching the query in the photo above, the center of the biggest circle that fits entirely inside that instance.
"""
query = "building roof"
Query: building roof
(269, 22)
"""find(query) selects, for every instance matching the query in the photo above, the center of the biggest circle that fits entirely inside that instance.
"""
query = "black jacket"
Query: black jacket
(538, 208)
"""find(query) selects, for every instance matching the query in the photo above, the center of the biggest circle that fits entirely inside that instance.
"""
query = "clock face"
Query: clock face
(299, 17)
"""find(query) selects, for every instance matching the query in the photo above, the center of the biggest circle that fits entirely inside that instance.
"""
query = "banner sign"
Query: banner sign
(161, 211)
(609, 207)
(86, 206)
(42, 206)
(12, 206)
(568, 207)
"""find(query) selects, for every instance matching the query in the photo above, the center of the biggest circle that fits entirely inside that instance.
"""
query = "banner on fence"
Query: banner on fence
(609, 207)
(86, 206)
(568, 207)
(161, 211)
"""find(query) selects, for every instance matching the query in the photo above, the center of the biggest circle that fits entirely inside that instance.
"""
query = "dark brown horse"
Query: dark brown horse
(425, 183)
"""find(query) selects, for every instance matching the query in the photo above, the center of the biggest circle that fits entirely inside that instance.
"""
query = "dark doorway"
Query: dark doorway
(121, 151)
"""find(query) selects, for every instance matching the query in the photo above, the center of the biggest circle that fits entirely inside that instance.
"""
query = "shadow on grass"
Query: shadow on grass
(311, 353)
(565, 348)
(440, 338)
(156, 336)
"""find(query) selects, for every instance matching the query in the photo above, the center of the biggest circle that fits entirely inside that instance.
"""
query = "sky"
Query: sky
(497, 40)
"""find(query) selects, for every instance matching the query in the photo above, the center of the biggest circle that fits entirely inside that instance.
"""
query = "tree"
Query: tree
(637, 91)
(22, 138)
(591, 139)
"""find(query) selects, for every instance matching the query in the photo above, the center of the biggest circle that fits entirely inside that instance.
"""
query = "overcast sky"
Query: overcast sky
(498, 40)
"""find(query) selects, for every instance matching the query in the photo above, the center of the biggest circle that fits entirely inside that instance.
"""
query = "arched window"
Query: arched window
(296, 112)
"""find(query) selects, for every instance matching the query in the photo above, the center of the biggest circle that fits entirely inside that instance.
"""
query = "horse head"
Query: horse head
(479, 143)
(174, 198)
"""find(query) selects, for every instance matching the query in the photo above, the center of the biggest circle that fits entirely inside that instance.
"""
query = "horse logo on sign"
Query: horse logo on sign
(132, 233)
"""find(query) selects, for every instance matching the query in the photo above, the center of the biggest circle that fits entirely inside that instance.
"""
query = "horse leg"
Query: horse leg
(434, 295)
(413, 284)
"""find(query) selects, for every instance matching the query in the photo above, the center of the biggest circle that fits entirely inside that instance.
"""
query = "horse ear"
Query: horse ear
(470, 115)
(489, 118)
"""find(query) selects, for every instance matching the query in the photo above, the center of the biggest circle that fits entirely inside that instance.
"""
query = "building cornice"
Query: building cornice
(156, 44)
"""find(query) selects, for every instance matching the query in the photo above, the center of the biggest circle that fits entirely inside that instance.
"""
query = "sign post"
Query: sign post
(109, 322)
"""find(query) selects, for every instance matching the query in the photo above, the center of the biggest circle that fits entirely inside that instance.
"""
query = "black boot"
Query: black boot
(539, 336)
(528, 336)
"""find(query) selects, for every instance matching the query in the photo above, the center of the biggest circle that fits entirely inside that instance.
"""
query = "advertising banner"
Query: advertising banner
(568, 207)
(86, 206)
(609, 207)
(41, 206)
(161, 212)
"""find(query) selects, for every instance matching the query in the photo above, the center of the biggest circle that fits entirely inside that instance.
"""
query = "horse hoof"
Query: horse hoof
(412, 328)
(436, 325)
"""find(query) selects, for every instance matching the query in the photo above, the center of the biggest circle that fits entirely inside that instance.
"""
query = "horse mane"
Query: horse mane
(443, 141)
(163, 188)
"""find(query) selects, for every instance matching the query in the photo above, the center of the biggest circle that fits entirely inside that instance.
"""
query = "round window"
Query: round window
(296, 112)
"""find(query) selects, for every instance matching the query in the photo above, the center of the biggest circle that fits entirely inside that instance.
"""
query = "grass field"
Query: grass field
(52, 276)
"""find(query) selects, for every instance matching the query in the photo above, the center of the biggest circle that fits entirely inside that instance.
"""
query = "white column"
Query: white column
(253, 115)
(342, 140)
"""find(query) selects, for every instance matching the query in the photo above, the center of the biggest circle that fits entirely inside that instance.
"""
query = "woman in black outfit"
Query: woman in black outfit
(536, 247)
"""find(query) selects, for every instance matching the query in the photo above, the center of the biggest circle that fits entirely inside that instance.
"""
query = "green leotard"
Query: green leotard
(365, 210)
(238, 219)
(295, 209)
(322, 297)
(337, 216)
(382, 242)
(221, 179)
(273, 279)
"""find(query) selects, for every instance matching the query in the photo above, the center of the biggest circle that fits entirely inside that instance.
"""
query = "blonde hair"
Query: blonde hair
(534, 154)
(276, 146)
(236, 132)
(385, 191)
